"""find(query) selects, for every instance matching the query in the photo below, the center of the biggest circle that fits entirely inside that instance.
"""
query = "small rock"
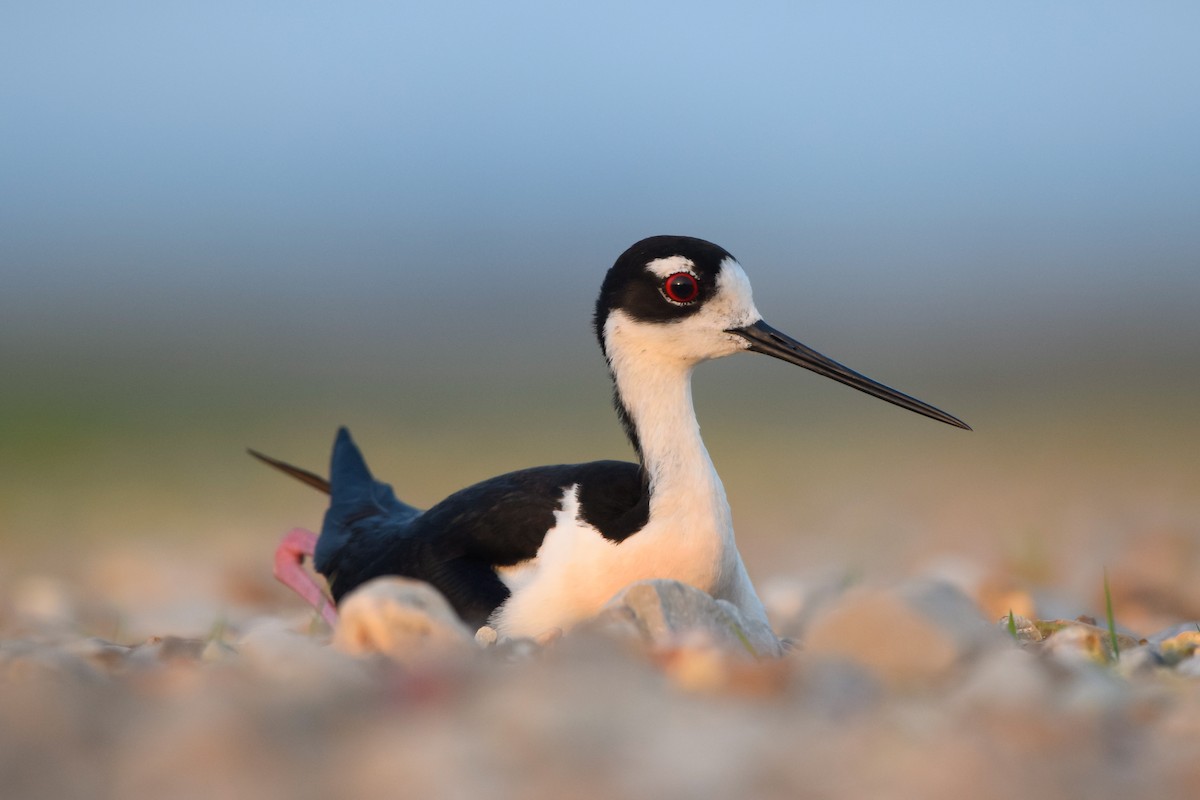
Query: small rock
(1025, 629)
(837, 688)
(1173, 631)
(910, 635)
(996, 592)
(293, 659)
(1071, 641)
(1092, 688)
(881, 631)
(406, 620)
(1180, 647)
(792, 604)
(954, 614)
(666, 613)
(697, 668)
(787, 602)
(1076, 643)
(1141, 660)
(1189, 668)
(1011, 678)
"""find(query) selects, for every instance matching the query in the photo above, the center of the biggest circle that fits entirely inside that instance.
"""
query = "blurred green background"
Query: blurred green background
(228, 227)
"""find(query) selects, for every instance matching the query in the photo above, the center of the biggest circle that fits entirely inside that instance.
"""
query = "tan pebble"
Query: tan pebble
(1076, 643)
(876, 629)
(404, 619)
(1084, 636)
(1026, 630)
(696, 669)
(1180, 647)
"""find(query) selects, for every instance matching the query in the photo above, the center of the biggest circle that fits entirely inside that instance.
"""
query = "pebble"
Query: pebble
(666, 613)
(406, 620)
(1141, 660)
(908, 636)
(294, 661)
(262, 706)
(1189, 668)
(1008, 679)
(1180, 647)
(486, 636)
(1073, 641)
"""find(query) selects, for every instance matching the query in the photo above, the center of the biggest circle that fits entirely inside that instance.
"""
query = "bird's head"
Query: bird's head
(676, 301)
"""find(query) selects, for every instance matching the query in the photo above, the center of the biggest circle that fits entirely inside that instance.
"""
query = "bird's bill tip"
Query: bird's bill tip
(762, 338)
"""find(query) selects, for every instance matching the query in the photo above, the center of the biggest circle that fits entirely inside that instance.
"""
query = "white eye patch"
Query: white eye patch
(666, 267)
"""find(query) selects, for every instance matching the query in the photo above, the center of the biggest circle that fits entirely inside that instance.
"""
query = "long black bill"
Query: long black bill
(765, 339)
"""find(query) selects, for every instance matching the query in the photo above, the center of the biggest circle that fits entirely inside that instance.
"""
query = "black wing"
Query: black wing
(457, 545)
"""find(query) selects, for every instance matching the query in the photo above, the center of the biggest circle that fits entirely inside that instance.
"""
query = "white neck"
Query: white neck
(689, 533)
(656, 392)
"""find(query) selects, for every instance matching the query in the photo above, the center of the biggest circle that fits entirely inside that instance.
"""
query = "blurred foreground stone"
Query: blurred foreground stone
(406, 620)
(890, 691)
(664, 613)
(910, 636)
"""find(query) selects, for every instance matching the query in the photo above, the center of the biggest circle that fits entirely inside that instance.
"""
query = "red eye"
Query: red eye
(682, 287)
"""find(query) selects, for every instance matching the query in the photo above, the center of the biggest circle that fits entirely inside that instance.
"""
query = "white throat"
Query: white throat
(655, 387)
(652, 364)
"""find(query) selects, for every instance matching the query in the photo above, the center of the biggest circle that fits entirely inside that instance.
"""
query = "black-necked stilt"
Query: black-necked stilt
(546, 547)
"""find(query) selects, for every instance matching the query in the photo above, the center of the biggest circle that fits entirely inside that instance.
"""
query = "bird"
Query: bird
(539, 550)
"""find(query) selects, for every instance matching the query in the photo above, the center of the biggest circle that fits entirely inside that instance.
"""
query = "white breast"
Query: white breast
(576, 570)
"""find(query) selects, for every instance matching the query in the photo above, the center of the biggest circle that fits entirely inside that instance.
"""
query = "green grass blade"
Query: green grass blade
(1108, 613)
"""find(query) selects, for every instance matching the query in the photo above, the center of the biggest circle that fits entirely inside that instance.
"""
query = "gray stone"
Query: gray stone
(909, 635)
(1008, 679)
(666, 613)
(1173, 631)
(293, 661)
(1142, 660)
(954, 613)
(837, 688)
(1189, 667)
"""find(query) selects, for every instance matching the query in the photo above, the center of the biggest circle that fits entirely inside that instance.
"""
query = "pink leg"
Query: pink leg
(289, 570)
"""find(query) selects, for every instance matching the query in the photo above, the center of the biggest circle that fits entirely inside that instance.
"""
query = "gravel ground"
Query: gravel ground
(211, 682)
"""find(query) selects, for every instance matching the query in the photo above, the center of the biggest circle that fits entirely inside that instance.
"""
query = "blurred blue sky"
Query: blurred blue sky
(223, 173)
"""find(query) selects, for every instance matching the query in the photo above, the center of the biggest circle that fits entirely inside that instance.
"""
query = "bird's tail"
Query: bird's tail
(360, 507)
(304, 476)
